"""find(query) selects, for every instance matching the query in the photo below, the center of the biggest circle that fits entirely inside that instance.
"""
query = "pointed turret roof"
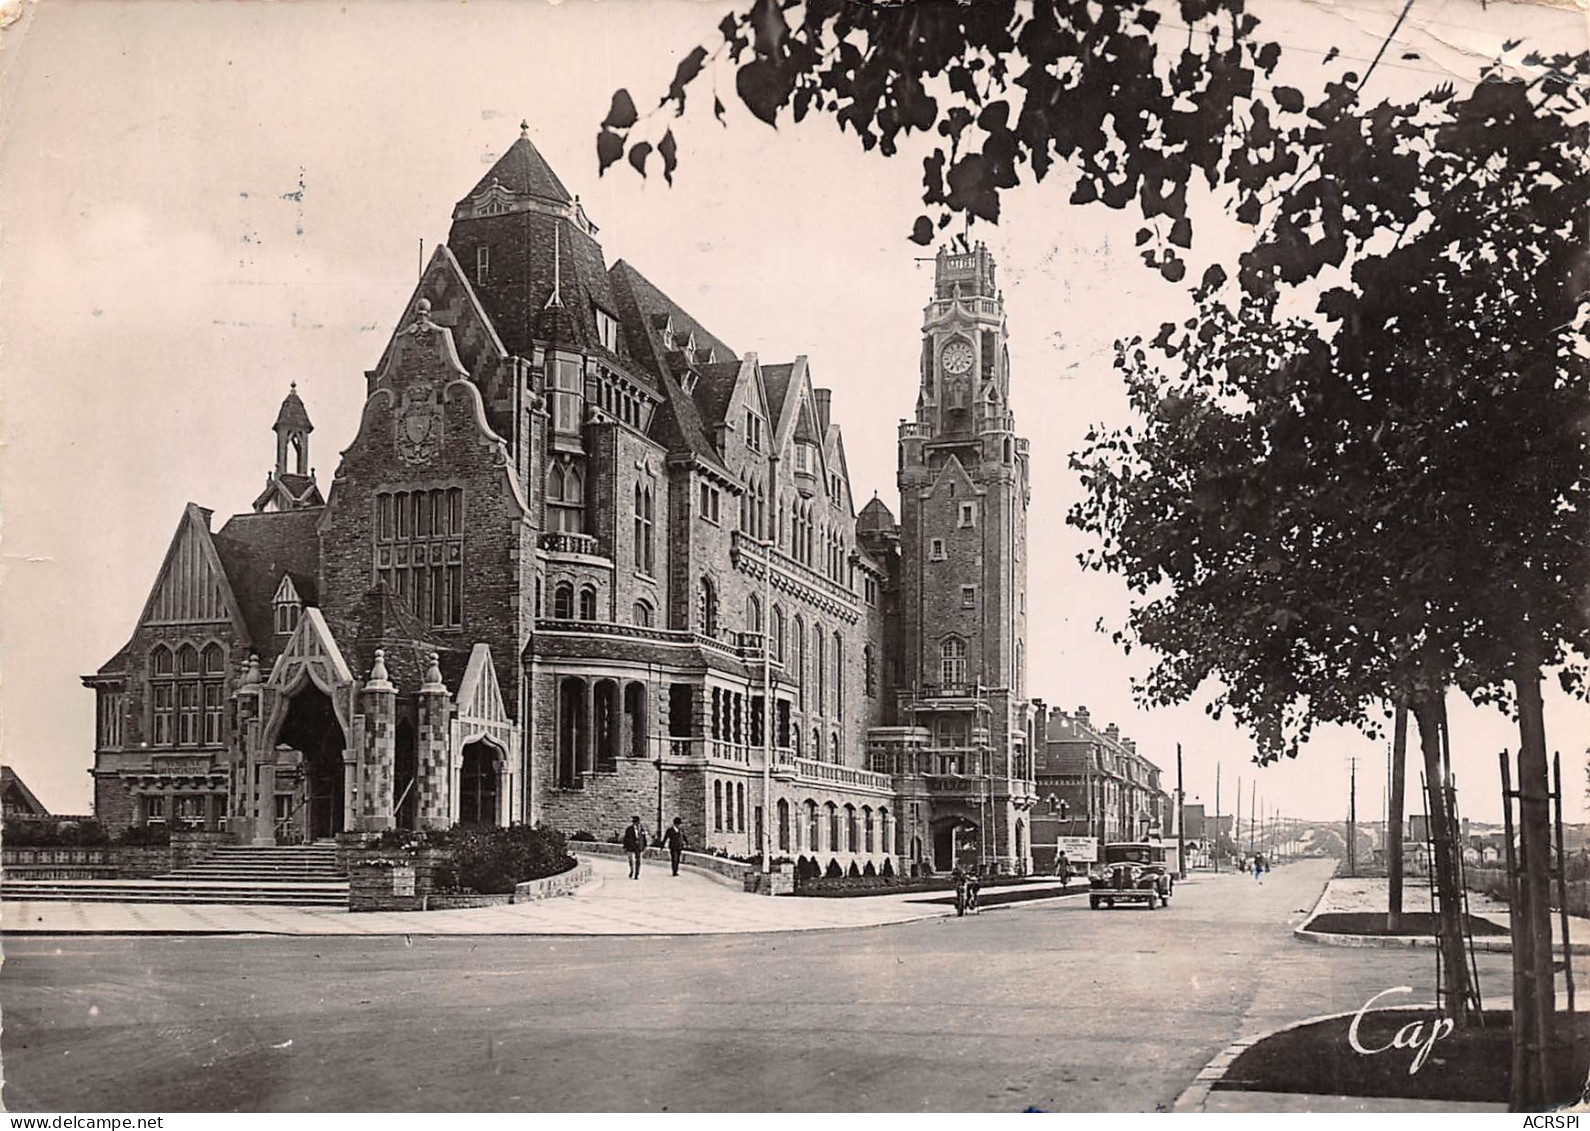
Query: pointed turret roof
(875, 516)
(293, 416)
(522, 170)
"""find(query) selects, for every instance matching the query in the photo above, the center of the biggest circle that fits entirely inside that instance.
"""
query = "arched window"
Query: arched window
(187, 660)
(214, 659)
(866, 826)
(952, 661)
(798, 640)
(820, 667)
(778, 634)
(641, 614)
(717, 806)
(707, 608)
(833, 827)
(162, 697)
(839, 674)
(565, 499)
(869, 671)
(783, 825)
(885, 831)
(1021, 670)
(833, 748)
(814, 836)
(753, 614)
(645, 549)
(817, 744)
(588, 603)
(563, 601)
(739, 806)
(852, 843)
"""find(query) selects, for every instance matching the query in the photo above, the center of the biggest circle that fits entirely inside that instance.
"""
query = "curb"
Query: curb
(1195, 1094)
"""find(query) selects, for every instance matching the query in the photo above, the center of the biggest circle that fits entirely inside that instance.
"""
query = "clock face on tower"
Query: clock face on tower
(957, 357)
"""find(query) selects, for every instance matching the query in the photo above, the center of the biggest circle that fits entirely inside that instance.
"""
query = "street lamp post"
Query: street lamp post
(767, 709)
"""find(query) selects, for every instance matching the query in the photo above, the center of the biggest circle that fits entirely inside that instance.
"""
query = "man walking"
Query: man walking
(634, 845)
(1062, 868)
(674, 842)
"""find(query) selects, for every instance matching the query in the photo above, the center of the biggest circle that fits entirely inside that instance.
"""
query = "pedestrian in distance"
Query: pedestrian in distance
(1062, 868)
(674, 841)
(634, 845)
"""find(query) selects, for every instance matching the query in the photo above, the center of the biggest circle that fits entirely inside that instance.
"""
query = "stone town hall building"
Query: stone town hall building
(537, 587)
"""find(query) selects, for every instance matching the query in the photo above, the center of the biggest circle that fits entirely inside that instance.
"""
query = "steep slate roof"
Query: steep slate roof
(775, 379)
(256, 549)
(652, 301)
(523, 170)
(715, 389)
(293, 415)
(11, 783)
(682, 421)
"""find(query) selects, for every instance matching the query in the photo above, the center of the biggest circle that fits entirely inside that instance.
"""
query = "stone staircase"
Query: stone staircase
(295, 876)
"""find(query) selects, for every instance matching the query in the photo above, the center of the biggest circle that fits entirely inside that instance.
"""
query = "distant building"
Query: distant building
(1092, 783)
(17, 800)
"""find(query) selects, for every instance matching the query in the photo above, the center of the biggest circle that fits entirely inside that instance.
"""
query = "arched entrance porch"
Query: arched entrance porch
(479, 784)
(314, 742)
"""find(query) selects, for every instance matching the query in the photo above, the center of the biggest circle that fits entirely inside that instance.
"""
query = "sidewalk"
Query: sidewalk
(692, 903)
(1369, 894)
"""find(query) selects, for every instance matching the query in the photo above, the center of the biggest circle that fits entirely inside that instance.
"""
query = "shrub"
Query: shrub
(869, 870)
(145, 836)
(888, 868)
(855, 872)
(834, 871)
(492, 860)
(53, 834)
(583, 837)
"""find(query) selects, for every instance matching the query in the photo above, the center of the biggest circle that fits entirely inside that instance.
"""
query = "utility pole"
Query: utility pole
(1236, 822)
(1216, 854)
(1253, 808)
(1181, 819)
(1352, 817)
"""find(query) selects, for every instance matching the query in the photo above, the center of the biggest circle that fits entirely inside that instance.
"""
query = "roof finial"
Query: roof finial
(292, 387)
(524, 129)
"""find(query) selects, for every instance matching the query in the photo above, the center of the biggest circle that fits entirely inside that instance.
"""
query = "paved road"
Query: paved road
(1050, 1006)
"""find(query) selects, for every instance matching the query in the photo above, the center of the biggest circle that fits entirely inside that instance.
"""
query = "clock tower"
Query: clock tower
(963, 478)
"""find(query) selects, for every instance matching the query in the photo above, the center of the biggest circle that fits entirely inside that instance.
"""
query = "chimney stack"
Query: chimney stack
(824, 396)
(1112, 732)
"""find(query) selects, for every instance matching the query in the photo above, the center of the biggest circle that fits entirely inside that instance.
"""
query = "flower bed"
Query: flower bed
(465, 866)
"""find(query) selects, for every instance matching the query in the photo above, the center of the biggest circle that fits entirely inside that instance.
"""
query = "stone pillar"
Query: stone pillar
(432, 753)
(588, 743)
(379, 699)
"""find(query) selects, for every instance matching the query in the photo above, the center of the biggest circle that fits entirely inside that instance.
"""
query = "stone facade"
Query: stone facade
(582, 561)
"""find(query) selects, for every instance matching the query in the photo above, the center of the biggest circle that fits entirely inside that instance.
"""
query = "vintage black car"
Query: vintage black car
(1131, 872)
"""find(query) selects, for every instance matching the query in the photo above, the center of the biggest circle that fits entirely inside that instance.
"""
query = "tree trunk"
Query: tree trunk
(1534, 1023)
(1399, 766)
(1426, 710)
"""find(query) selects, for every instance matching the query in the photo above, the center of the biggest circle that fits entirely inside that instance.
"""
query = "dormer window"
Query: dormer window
(482, 263)
(607, 330)
(288, 606)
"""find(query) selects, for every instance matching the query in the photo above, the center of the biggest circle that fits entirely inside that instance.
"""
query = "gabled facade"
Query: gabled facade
(584, 560)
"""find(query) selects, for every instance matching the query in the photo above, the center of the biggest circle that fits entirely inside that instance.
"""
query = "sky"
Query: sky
(201, 203)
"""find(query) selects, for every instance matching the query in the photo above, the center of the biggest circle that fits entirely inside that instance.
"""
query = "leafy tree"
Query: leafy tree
(1135, 97)
(1376, 504)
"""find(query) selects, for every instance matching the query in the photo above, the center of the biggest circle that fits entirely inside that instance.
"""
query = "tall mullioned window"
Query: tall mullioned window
(645, 531)
(420, 552)
(186, 696)
(952, 662)
(565, 498)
